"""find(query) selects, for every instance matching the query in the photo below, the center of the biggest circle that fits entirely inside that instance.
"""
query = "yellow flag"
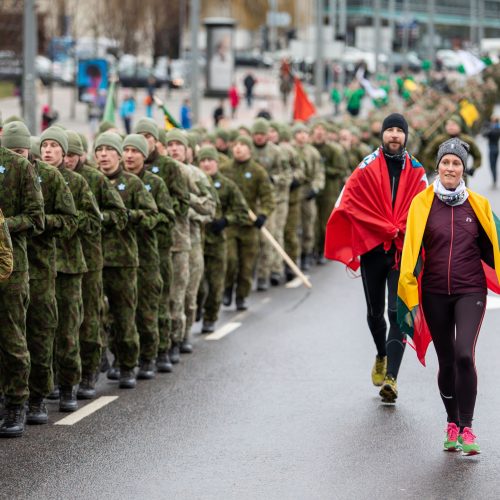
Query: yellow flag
(410, 85)
(468, 112)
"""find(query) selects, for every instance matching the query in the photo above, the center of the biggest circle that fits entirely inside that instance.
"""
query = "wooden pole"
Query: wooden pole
(280, 250)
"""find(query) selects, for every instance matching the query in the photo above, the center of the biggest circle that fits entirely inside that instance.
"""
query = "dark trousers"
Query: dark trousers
(493, 153)
(378, 272)
(454, 322)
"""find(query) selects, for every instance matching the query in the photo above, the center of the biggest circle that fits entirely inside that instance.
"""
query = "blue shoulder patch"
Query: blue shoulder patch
(414, 162)
(368, 159)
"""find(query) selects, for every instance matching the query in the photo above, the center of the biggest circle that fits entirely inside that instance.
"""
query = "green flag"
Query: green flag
(109, 110)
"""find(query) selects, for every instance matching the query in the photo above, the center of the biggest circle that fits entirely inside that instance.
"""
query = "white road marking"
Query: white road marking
(295, 283)
(265, 300)
(86, 410)
(223, 331)
(492, 302)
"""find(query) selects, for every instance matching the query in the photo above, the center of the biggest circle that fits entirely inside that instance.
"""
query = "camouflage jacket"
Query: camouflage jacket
(21, 202)
(335, 162)
(6, 258)
(113, 213)
(255, 185)
(120, 246)
(297, 166)
(169, 170)
(70, 254)
(314, 174)
(61, 221)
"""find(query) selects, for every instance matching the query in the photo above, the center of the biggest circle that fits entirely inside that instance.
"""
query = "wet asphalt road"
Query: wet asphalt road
(281, 408)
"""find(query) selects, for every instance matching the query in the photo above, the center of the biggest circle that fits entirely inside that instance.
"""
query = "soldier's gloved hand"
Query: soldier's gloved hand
(311, 195)
(294, 185)
(260, 221)
(470, 171)
(218, 225)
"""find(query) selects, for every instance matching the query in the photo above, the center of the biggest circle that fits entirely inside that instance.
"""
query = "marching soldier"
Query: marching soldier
(6, 258)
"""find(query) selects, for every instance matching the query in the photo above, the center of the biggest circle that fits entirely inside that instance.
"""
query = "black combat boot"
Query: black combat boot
(127, 379)
(114, 372)
(227, 298)
(174, 354)
(163, 364)
(275, 279)
(289, 274)
(13, 422)
(208, 326)
(37, 411)
(86, 389)
(105, 366)
(305, 262)
(67, 399)
(241, 304)
(146, 370)
(262, 285)
(186, 347)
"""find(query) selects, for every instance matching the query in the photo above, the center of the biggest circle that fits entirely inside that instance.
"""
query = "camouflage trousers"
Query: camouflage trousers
(180, 279)
(14, 355)
(91, 343)
(41, 334)
(164, 320)
(212, 286)
(292, 242)
(325, 202)
(280, 215)
(308, 214)
(70, 318)
(149, 287)
(242, 249)
(196, 267)
(264, 259)
(120, 288)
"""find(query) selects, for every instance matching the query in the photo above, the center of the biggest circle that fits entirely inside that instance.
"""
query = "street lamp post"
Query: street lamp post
(29, 49)
(319, 73)
(195, 26)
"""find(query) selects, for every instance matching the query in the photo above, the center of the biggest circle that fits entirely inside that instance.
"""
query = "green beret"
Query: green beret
(138, 142)
(56, 134)
(85, 142)
(208, 152)
(35, 146)
(299, 127)
(260, 126)
(110, 139)
(105, 126)
(176, 135)
(16, 135)
(147, 126)
(222, 133)
(74, 143)
(162, 136)
(244, 139)
(12, 118)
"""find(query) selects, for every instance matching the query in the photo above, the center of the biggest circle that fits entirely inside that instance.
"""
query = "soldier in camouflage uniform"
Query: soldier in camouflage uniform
(243, 240)
(149, 282)
(113, 214)
(336, 169)
(6, 257)
(21, 202)
(268, 155)
(121, 259)
(70, 266)
(232, 211)
(41, 321)
(221, 141)
(176, 181)
(314, 182)
(202, 210)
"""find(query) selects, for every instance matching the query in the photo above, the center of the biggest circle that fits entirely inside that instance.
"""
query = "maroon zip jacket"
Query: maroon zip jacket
(454, 243)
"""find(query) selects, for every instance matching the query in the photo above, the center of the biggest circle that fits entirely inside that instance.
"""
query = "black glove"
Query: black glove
(294, 185)
(218, 225)
(260, 221)
(470, 171)
(311, 195)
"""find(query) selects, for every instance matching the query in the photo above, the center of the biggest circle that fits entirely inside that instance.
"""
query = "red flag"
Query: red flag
(303, 108)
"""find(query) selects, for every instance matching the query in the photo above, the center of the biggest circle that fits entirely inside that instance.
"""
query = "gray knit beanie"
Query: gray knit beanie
(455, 147)
(147, 126)
(16, 135)
(110, 139)
(56, 134)
(138, 142)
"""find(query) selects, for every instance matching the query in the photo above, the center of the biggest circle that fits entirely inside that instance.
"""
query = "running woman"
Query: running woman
(450, 256)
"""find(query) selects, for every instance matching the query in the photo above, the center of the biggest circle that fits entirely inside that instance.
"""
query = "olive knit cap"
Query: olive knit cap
(16, 135)
(85, 142)
(455, 147)
(176, 135)
(162, 136)
(299, 127)
(208, 153)
(35, 146)
(455, 119)
(110, 139)
(244, 139)
(56, 134)
(260, 126)
(74, 143)
(285, 132)
(104, 126)
(138, 142)
(223, 134)
(12, 118)
(147, 126)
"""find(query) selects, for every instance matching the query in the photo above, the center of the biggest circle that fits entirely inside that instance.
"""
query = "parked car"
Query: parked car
(252, 58)
(178, 72)
(132, 73)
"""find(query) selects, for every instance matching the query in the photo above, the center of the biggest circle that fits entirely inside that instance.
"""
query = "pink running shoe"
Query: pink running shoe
(468, 441)
(451, 441)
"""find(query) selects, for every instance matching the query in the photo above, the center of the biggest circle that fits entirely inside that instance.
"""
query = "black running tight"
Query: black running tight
(377, 272)
(454, 322)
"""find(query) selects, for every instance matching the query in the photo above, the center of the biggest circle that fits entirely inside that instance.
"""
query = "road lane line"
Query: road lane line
(223, 331)
(492, 302)
(265, 300)
(86, 410)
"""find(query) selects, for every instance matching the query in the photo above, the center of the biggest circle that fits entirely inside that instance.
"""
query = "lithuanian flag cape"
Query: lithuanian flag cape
(410, 314)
